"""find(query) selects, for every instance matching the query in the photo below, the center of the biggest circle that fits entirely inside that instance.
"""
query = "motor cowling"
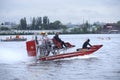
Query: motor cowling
(31, 48)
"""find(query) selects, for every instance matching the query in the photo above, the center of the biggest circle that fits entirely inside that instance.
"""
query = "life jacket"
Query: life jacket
(57, 43)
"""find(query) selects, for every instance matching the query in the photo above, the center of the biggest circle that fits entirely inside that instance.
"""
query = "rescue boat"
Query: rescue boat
(49, 51)
(73, 54)
(17, 38)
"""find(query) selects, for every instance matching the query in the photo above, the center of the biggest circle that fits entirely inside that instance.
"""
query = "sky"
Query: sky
(67, 11)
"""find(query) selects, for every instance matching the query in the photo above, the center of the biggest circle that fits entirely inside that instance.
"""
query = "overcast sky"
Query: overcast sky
(74, 11)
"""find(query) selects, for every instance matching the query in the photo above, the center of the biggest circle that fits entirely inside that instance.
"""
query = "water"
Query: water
(102, 65)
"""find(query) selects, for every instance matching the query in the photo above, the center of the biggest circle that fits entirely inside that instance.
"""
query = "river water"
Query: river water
(104, 64)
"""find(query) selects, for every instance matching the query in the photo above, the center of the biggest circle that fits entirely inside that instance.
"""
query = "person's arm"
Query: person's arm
(90, 45)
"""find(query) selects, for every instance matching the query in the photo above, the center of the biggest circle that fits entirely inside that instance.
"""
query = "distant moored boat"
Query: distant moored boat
(17, 38)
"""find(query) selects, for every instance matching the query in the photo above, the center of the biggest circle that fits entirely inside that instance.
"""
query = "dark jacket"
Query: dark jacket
(57, 38)
(85, 45)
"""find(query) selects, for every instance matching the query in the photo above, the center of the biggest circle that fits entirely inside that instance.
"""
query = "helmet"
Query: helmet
(42, 33)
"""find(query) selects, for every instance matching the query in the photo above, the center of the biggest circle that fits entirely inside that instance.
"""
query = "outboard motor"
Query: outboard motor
(31, 48)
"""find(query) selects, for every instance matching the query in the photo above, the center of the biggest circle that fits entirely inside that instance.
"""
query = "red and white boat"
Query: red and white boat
(73, 54)
(17, 38)
(49, 52)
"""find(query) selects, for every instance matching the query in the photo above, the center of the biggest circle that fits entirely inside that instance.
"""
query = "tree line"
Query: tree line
(40, 23)
(44, 23)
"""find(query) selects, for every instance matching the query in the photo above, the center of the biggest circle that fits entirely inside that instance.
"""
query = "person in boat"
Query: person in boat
(86, 43)
(56, 37)
(44, 36)
(42, 44)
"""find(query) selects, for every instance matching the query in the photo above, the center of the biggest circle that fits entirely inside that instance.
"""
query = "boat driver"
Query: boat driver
(86, 43)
